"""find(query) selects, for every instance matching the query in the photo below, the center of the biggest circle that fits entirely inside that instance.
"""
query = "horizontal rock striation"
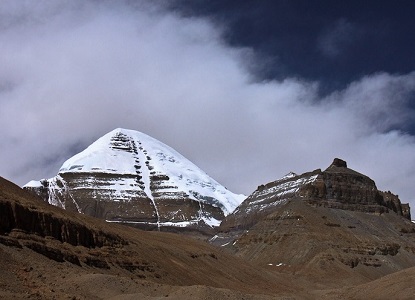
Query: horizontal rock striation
(333, 223)
(26, 221)
(336, 187)
(267, 198)
(19, 218)
(343, 188)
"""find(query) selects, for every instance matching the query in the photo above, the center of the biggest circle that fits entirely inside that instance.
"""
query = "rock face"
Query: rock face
(49, 253)
(320, 222)
(336, 187)
(27, 222)
(129, 177)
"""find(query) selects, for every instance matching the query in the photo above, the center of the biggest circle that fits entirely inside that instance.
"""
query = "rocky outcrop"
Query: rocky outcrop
(347, 189)
(336, 187)
(26, 221)
(332, 223)
(406, 211)
(268, 197)
(17, 218)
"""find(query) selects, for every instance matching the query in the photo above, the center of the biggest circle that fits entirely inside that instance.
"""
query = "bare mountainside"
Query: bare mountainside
(49, 253)
(333, 227)
(129, 177)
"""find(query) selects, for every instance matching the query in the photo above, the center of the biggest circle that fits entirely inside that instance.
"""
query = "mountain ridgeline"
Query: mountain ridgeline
(336, 187)
(131, 178)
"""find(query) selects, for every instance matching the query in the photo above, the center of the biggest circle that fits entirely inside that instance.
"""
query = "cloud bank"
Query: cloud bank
(72, 71)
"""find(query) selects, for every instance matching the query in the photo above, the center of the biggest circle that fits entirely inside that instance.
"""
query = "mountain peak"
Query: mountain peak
(129, 177)
(337, 162)
(339, 166)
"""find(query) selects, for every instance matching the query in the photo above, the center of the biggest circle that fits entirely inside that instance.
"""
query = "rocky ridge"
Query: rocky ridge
(336, 187)
(322, 222)
(129, 177)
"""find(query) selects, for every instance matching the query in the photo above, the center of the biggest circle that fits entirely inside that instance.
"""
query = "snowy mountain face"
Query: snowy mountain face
(129, 177)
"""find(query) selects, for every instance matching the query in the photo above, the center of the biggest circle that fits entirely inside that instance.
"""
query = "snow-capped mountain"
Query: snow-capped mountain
(129, 177)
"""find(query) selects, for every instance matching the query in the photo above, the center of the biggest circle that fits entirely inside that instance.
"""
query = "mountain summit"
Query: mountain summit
(333, 224)
(336, 187)
(129, 177)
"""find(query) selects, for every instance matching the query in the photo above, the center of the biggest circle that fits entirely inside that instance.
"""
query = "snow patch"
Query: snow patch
(277, 265)
(33, 184)
(283, 189)
(213, 238)
(212, 222)
(158, 224)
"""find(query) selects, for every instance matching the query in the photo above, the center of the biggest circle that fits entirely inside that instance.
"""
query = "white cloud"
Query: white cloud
(74, 71)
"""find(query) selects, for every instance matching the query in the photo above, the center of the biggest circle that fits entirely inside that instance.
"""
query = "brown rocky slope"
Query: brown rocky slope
(50, 253)
(332, 227)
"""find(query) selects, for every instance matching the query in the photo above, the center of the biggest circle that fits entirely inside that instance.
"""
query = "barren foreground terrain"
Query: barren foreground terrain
(49, 253)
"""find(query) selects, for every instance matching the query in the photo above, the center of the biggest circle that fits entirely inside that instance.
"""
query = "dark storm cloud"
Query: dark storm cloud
(72, 71)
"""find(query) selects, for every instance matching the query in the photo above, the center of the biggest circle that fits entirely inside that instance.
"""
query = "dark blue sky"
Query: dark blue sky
(332, 42)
